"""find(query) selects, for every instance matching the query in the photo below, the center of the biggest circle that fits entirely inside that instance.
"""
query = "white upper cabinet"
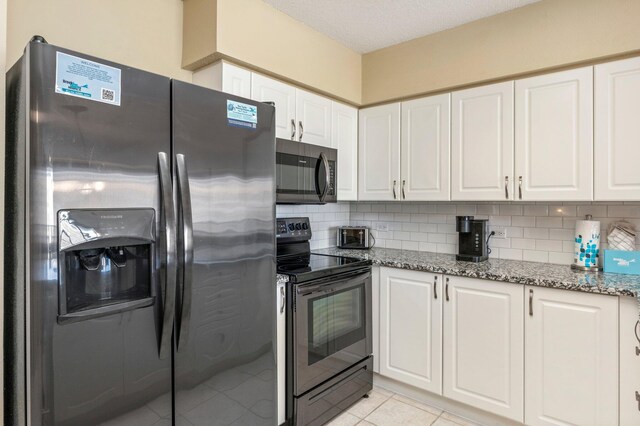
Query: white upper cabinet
(482, 143)
(617, 130)
(379, 153)
(236, 80)
(225, 77)
(425, 149)
(313, 117)
(484, 345)
(411, 327)
(344, 138)
(572, 358)
(554, 136)
(265, 89)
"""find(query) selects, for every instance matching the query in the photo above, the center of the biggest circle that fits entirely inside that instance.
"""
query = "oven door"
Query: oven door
(332, 328)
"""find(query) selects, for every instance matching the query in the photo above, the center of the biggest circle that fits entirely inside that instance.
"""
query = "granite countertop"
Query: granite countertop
(281, 279)
(513, 271)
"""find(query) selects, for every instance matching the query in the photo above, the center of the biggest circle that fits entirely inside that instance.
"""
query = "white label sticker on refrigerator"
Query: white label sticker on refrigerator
(87, 79)
(242, 115)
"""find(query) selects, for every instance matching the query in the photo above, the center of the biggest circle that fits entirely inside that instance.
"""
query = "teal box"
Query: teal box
(622, 262)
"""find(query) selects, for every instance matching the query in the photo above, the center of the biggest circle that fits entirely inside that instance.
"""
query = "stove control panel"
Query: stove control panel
(293, 229)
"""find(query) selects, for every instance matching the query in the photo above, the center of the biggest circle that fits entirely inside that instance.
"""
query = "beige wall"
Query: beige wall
(144, 34)
(540, 36)
(254, 34)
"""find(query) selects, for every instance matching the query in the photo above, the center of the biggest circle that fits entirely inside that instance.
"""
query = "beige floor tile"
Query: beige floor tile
(414, 403)
(394, 412)
(444, 422)
(345, 419)
(383, 391)
(365, 406)
(365, 423)
(458, 420)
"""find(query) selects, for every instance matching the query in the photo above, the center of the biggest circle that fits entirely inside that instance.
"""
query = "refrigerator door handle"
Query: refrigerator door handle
(185, 260)
(168, 221)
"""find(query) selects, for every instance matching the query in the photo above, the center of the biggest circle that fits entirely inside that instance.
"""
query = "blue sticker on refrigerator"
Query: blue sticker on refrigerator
(242, 115)
(87, 79)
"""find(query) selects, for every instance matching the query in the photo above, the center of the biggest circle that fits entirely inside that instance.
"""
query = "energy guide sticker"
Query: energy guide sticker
(86, 79)
(242, 115)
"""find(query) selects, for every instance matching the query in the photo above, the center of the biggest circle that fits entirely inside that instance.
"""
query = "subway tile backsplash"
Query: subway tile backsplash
(538, 232)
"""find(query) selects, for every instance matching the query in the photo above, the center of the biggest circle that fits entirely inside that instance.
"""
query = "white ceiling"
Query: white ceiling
(367, 25)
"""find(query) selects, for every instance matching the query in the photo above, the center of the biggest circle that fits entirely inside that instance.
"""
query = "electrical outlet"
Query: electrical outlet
(500, 232)
(382, 227)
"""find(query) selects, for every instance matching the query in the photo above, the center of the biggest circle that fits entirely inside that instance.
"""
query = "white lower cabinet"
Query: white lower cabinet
(537, 355)
(483, 345)
(629, 362)
(571, 351)
(411, 327)
(375, 316)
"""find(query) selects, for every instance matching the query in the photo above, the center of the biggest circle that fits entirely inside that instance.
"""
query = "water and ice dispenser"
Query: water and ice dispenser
(105, 259)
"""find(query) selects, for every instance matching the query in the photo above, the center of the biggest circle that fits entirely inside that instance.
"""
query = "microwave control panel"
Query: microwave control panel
(332, 178)
(293, 228)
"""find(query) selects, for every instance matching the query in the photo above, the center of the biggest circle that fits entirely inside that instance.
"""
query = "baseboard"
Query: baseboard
(473, 414)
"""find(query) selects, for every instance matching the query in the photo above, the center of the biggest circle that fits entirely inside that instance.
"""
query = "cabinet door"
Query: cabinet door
(266, 89)
(224, 77)
(344, 138)
(411, 327)
(236, 80)
(554, 136)
(629, 361)
(617, 146)
(572, 358)
(482, 143)
(425, 149)
(281, 348)
(313, 117)
(379, 153)
(375, 316)
(483, 345)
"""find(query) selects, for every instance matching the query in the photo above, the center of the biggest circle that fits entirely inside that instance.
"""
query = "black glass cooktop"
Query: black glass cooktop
(314, 266)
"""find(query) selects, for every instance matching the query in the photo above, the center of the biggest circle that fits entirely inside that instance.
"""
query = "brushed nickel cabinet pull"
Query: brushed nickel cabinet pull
(404, 197)
(301, 131)
(506, 187)
(530, 302)
(394, 190)
(520, 187)
(435, 287)
(446, 290)
(638, 399)
(293, 129)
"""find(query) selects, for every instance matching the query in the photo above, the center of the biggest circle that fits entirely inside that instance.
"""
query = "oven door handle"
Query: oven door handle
(332, 286)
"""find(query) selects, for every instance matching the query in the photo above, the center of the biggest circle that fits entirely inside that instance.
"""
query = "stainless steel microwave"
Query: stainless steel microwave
(305, 173)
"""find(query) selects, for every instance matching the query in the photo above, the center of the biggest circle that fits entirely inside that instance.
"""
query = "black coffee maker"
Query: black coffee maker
(472, 239)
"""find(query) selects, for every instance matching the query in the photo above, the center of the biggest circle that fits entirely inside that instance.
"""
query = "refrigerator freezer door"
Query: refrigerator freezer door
(69, 152)
(226, 369)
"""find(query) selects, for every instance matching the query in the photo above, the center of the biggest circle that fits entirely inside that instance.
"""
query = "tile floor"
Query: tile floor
(384, 408)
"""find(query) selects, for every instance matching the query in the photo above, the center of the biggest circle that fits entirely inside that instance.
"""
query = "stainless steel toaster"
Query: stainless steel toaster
(353, 237)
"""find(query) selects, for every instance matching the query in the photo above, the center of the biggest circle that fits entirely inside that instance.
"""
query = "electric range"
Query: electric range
(329, 361)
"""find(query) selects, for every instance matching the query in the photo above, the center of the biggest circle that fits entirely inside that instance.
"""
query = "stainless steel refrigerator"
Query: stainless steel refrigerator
(139, 241)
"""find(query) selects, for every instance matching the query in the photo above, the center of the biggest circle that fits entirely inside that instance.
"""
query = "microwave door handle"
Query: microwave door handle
(167, 215)
(331, 286)
(186, 256)
(325, 164)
